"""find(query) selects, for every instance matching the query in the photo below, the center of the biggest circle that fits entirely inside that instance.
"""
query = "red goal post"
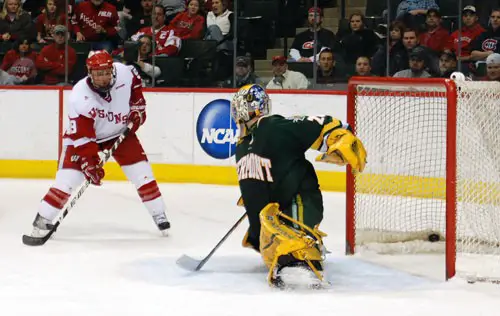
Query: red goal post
(423, 189)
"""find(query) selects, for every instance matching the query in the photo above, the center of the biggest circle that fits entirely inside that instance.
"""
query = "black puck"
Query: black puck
(433, 237)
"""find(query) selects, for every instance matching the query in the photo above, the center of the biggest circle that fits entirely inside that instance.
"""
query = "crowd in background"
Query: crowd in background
(204, 43)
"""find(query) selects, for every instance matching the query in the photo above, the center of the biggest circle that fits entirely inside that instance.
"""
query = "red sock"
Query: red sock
(149, 191)
(56, 198)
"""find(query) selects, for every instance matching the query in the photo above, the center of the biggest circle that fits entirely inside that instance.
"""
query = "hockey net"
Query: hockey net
(432, 181)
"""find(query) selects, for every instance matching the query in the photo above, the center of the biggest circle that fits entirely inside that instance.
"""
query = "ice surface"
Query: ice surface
(107, 258)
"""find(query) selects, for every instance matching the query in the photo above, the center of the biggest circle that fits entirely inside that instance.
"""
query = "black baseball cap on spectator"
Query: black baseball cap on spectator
(469, 8)
(242, 61)
(418, 53)
(435, 11)
(449, 54)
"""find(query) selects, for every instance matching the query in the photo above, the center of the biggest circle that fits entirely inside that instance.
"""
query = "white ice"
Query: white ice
(107, 258)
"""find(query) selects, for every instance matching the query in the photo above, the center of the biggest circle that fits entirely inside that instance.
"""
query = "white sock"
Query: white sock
(48, 211)
(156, 206)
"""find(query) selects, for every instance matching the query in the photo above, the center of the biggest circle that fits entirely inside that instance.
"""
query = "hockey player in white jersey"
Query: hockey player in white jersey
(100, 107)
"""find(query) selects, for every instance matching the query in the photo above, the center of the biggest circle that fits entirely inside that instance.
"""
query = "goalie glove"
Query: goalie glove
(344, 148)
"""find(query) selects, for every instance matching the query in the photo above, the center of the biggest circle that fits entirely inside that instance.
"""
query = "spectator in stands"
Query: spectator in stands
(327, 73)
(303, 44)
(144, 63)
(166, 42)
(8, 80)
(435, 37)
(15, 23)
(96, 22)
(417, 66)
(488, 42)
(493, 67)
(220, 25)
(447, 64)
(140, 19)
(415, 7)
(284, 78)
(360, 42)
(410, 42)
(51, 16)
(398, 56)
(412, 12)
(189, 24)
(471, 29)
(485, 7)
(244, 73)
(20, 61)
(363, 67)
(172, 8)
(52, 58)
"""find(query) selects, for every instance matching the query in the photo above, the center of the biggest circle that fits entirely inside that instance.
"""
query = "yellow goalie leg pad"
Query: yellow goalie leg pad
(278, 239)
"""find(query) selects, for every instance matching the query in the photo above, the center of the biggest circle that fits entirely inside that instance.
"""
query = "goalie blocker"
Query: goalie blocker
(279, 186)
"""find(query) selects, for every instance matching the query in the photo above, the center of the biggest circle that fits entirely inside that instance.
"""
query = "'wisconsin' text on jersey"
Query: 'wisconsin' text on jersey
(252, 166)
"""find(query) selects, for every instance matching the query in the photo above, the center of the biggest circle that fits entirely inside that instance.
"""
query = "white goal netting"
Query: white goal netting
(400, 199)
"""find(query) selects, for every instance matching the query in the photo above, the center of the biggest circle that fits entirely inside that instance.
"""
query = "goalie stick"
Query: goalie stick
(192, 264)
(39, 241)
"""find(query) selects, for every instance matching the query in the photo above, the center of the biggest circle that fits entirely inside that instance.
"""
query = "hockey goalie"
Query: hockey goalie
(279, 186)
(100, 107)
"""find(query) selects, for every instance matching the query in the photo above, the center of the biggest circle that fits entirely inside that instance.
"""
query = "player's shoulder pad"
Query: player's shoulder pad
(127, 74)
(122, 69)
(82, 99)
(269, 120)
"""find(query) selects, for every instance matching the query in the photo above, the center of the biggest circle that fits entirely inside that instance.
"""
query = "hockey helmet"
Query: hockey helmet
(101, 60)
(249, 102)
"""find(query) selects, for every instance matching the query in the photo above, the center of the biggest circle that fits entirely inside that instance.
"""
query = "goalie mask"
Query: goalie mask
(101, 71)
(249, 102)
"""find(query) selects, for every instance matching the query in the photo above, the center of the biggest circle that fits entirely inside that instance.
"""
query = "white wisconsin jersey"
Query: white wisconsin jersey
(109, 112)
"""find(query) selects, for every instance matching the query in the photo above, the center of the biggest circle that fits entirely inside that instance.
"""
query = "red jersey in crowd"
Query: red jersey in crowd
(468, 35)
(436, 39)
(88, 17)
(51, 61)
(18, 65)
(45, 25)
(186, 26)
(166, 41)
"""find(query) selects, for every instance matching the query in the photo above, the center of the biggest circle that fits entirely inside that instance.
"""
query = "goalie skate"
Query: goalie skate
(41, 226)
(297, 277)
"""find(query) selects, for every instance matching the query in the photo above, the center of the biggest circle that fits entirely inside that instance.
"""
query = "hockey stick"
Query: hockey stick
(192, 264)
(38, 241)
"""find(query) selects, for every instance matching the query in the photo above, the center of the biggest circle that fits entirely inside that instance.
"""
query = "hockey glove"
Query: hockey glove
(344, 148)
(89, 163)
(92, 170)
(137, 117)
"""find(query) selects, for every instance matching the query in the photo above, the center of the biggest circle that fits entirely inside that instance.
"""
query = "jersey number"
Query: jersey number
(318, 119)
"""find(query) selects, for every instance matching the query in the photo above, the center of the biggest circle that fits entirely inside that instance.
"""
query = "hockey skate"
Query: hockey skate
(298, 275)
(162, 223)
(41, 226)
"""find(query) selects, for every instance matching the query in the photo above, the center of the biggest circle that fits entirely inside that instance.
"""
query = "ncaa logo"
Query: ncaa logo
(216, 130)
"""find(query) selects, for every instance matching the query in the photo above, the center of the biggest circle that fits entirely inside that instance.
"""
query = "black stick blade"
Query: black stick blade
(35, 241)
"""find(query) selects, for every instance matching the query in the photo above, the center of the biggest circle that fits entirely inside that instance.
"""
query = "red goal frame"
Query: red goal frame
(451, 164)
